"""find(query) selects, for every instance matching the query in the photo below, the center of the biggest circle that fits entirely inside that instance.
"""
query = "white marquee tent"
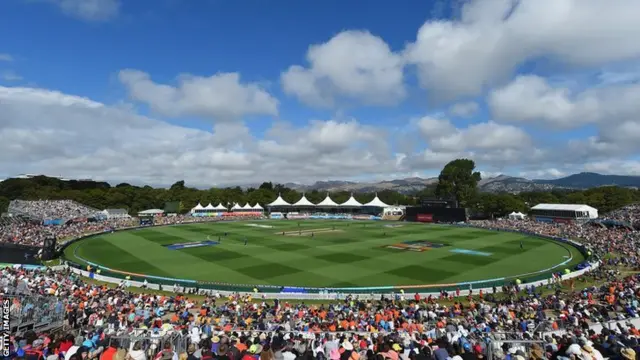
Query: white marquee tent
(197, 207)
(151, 212)
(236, 207)
(352, 202)
(209, 207)
(376, 202)
(304, 202)
(327, 202)
(221, 207)
(247, 207)
(279, 202)
(258, 207)
(516, 216)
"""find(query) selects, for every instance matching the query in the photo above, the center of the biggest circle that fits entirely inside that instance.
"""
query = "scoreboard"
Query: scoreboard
(438, 203)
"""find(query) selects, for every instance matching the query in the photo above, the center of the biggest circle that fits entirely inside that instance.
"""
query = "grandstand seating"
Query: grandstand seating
(51, 209)
(108, 321)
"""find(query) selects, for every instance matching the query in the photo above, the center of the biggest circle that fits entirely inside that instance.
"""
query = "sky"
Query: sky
(220, 92)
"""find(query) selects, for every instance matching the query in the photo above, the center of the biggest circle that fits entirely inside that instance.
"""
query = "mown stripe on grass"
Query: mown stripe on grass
(107, 254)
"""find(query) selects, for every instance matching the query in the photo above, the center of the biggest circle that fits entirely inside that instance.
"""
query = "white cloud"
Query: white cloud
(613, 110)
(432, 127)
(50, 132)
(531, 98)
(464, 109)
(442, 135)
(484, 47)
(548, 173)
(615, 77)
(6, 57)
(615, 167)
(221, 97)
(89, 10)
(489, 174)
(355, 65)
(10, 76)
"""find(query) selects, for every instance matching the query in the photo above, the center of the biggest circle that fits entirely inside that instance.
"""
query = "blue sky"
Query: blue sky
(233, 91)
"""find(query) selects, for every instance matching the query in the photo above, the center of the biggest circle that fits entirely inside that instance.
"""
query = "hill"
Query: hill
(403, 186)
(586, 180)
(497, 184)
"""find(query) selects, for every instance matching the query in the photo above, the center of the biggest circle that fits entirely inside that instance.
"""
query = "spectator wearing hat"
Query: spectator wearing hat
(628, 354)
(167, 353)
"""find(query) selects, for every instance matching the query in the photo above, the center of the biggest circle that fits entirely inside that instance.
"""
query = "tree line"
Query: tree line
(458, 180)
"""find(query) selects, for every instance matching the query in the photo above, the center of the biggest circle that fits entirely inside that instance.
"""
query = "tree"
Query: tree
(137, 198)
(4, 204)
(459, 180)
(178, 185)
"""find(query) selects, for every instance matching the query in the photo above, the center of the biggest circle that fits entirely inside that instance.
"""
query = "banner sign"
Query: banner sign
(424, 217)
(561, 221)
(366, 217)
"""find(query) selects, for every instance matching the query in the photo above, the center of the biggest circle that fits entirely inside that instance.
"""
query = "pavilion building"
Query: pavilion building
(327, 205)
(303, 205)
(374, 207)
(197, 209)
(351, 205)
(279, 205)
(257, 208)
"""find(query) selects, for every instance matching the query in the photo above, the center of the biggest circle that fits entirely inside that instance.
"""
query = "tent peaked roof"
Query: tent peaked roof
(376, 202)
(304, 202)
(513, 213)
(236, 207)
(279, 202)
(247, 207)
(258, 207)
(327, 202)
(198, 207)
(351, 202)
(220, 207)
(209, 207)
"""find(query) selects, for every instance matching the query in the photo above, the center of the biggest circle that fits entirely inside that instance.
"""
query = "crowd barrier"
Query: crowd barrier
(277, 292)
(494, 347)
(34, 312)
(151, 344)
(538, 278)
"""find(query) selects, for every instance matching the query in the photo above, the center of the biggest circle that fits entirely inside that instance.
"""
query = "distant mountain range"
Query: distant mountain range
(405, 186)
(502, 183)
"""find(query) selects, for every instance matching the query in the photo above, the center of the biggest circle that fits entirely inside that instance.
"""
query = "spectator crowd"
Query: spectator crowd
(51, 209)
(553, 321)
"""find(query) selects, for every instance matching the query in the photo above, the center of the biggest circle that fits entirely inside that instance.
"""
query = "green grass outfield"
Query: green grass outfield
(353, 255)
